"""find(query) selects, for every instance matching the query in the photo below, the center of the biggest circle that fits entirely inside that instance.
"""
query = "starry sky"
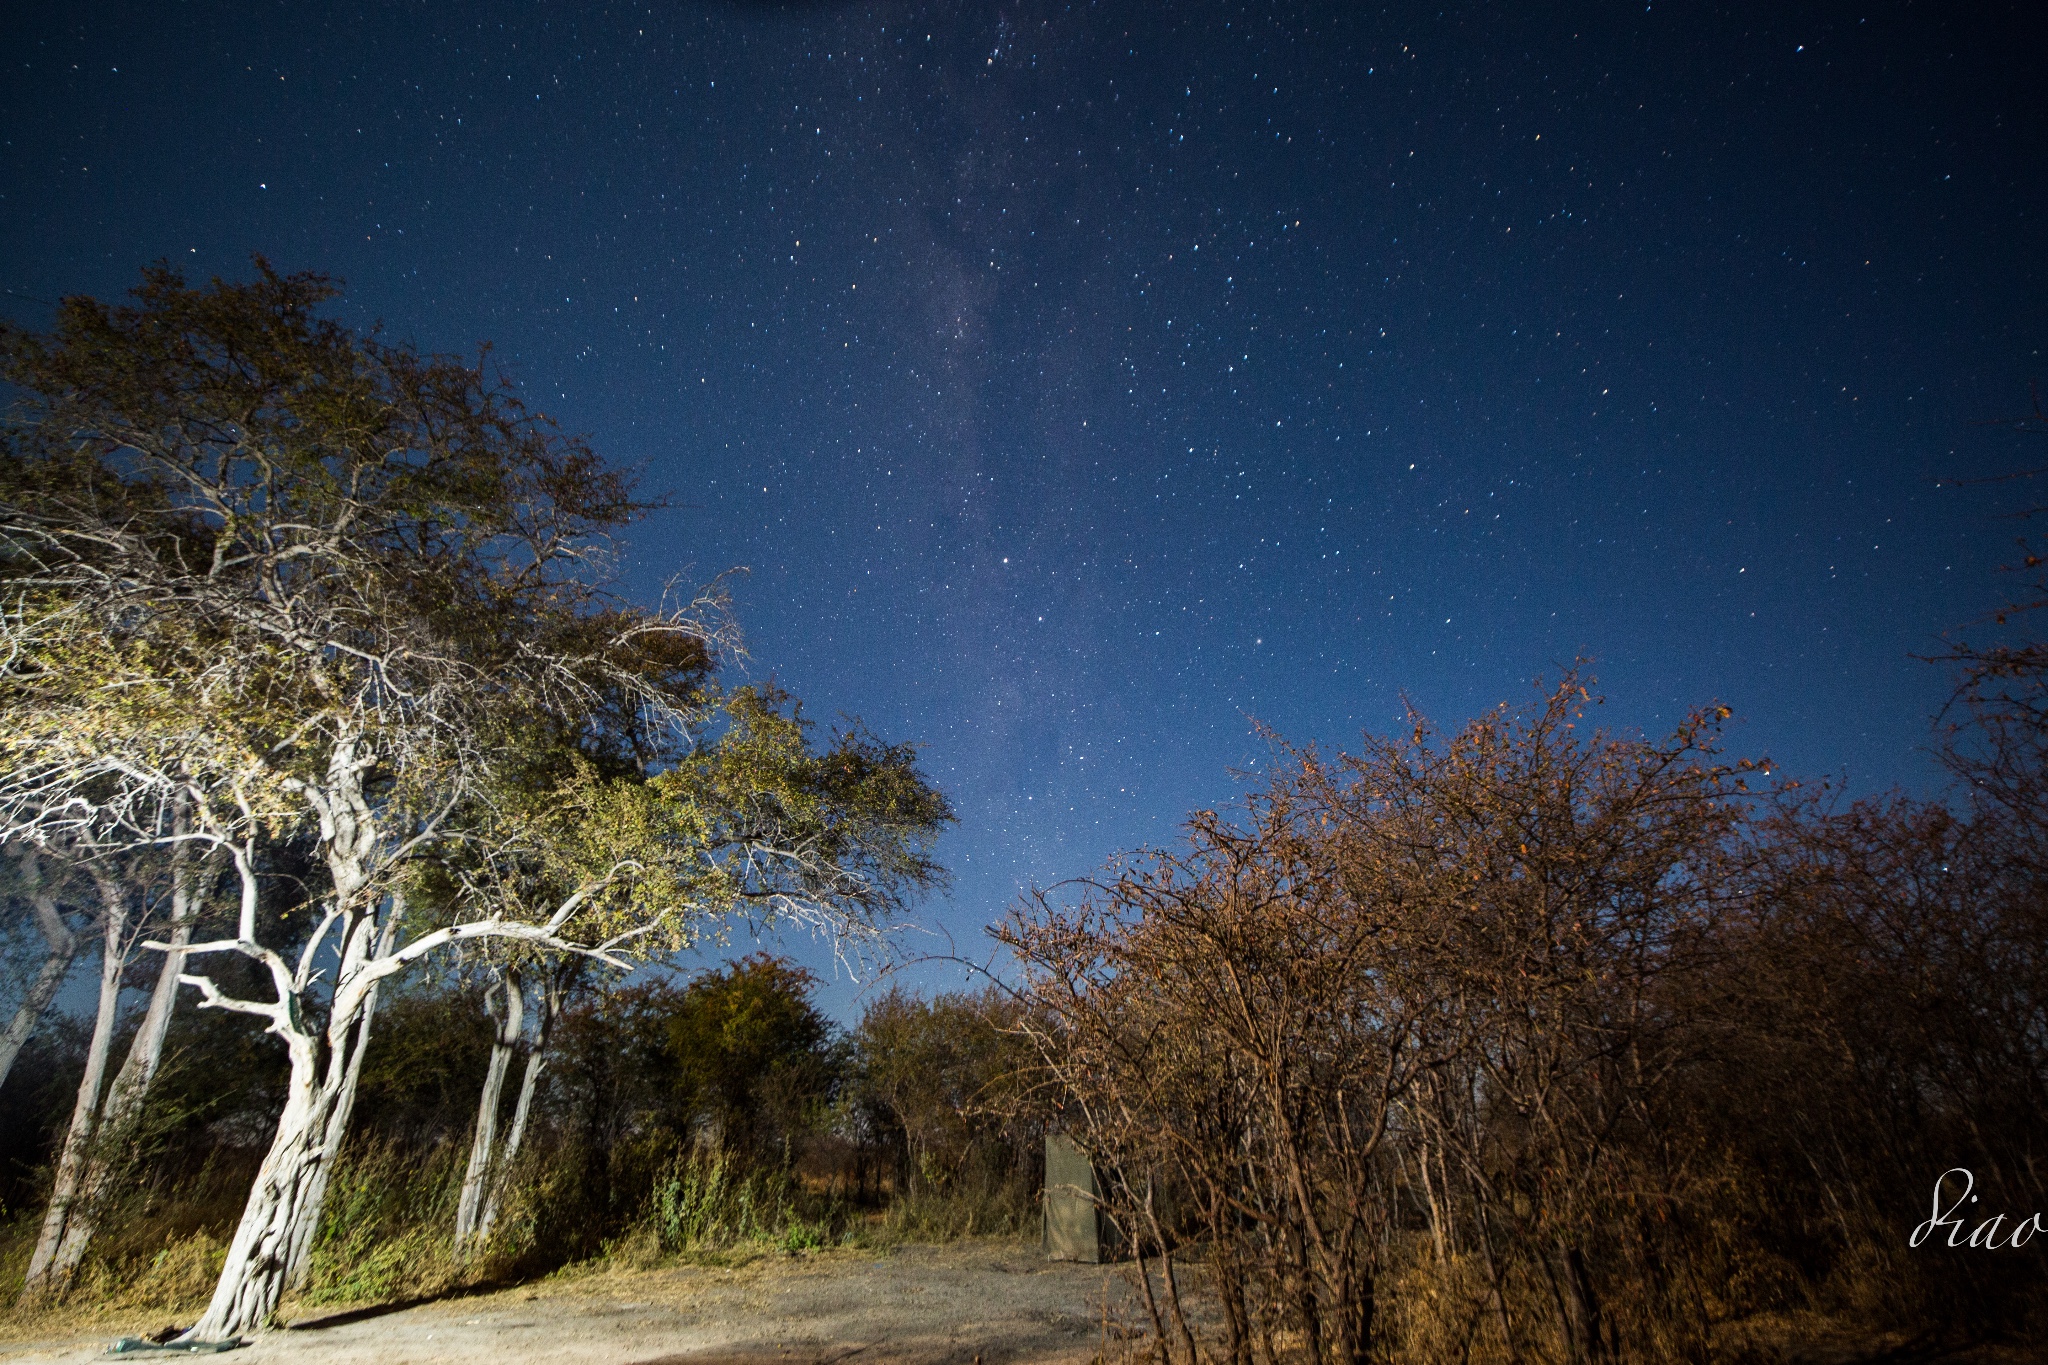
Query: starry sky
(1079, 384)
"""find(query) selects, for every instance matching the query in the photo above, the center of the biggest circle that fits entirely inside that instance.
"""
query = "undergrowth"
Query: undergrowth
(387, 1232)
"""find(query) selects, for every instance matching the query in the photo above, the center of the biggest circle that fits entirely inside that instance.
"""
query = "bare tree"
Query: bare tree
(1422, 980)
(1234, 1021)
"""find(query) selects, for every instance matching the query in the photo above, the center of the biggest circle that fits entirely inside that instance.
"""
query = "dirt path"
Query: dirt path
(1000, 1303)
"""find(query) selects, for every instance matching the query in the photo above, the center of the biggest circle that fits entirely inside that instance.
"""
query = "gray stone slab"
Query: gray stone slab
(1073, 1223)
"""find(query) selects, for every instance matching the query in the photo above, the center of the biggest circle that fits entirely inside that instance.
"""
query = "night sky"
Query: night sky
(1081, 383)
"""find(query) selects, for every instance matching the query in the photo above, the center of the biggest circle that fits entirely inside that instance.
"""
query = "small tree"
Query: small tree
(941, 1077)
(751, 1052)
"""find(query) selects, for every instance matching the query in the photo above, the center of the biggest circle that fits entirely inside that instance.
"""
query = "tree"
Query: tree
(104, 1118)
(751, 1051)
(303, 583)
(1995, 732)
(939, 1095)
(938, 1078)
(483, 1181)
(1425, 977)
(756, 821)
(116, 922)
(60, 949)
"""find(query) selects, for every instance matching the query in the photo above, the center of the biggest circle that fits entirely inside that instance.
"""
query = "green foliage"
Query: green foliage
(755, 819)
(257, 525)
(281, 585)
(751, 1053)
(709, 1200)
(388, 1228)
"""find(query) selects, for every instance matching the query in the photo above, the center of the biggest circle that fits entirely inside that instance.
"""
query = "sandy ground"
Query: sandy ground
(993, 1302)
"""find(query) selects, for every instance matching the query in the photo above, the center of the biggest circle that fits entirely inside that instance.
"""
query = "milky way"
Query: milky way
(1080, 385)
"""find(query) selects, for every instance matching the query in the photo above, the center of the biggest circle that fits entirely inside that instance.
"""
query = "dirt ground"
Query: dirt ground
(999, 1303)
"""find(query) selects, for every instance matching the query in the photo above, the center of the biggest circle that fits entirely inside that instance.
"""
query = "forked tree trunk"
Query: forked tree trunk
(78, 1139)
(476, 1180)
(273, 1241)
(63, 950)
(344, 1107)
(131, 1084)
(529, 1081)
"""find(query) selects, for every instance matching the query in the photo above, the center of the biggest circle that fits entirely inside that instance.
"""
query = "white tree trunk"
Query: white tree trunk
(529, 1081)
(131, 1084)
(477, 1179)
(275, 1237)
(63, 946)
(78, 1140)
(259, 1261)
(41, 992)
(344, 1107)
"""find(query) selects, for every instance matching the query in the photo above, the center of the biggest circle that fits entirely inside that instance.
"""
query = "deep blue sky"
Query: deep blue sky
(1080, 382)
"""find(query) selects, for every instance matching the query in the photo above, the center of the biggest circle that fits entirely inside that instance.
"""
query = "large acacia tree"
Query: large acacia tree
(300, 583)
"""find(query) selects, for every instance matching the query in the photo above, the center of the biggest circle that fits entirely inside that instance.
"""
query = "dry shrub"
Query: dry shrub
(1540, 1043)
(179, 1279)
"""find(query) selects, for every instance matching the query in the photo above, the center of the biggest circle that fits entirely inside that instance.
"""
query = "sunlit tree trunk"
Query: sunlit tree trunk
(511, 1019)
(259, 1261)
(131, 1084)
(344, 1104)
(273, 1242)
(63, 950)
(275, 1235)
(78, 1139)
(529, 1081)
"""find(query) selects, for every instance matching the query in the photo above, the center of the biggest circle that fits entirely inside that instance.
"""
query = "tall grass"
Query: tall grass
(709, 1201)
(387, 1232)
(159, 1244)
(975, 1203)
(388, 1228)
